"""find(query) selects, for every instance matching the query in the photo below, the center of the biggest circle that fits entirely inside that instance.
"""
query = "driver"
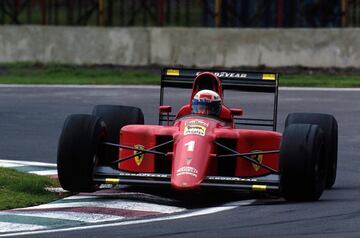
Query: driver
(206, 102)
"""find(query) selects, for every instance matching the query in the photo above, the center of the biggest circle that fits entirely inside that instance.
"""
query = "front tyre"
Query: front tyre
(302, 164)
(116, 117)
(79, 149)
(329, 126)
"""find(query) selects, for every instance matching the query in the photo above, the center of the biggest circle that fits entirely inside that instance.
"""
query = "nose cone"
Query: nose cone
(192, 150)
(190, 162)
(186, 177)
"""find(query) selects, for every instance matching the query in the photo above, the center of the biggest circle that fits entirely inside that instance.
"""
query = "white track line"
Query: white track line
(79, 197)
(158, 87)
(174, 217)
(9, 165)
(44, 172)
(9, 227)
(70, 216)
(117, 204)
(24, 163)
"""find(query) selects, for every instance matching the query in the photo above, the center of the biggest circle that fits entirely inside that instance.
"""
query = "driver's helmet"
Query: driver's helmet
(206, 102)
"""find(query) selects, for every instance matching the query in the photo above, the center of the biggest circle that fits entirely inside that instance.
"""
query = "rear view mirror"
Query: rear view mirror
(165, 109)
(236, 111)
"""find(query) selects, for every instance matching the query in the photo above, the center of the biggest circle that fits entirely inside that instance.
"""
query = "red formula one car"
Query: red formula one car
(201, 145)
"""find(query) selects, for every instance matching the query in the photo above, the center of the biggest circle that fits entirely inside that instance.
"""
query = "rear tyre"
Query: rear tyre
(80, 147)
(302, 165)
(329, 126)
(115, 118)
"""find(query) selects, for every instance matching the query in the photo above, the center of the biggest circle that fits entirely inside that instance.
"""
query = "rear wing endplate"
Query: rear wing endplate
(231, 79)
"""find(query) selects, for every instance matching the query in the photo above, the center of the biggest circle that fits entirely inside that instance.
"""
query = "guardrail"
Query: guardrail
(196, 13)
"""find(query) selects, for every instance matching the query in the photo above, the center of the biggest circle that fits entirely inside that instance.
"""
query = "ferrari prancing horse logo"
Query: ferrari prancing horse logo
(138, 158)
(258, 158)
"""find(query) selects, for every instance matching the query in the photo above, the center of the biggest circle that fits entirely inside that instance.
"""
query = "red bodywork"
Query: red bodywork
(192, 155)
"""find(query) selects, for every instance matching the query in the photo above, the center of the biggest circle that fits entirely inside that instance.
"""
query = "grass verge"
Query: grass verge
(19, 189)
(321, 80)
(29, 73)
(26, 73)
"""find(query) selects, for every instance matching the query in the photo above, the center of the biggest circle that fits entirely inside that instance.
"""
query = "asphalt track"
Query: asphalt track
(31, 120)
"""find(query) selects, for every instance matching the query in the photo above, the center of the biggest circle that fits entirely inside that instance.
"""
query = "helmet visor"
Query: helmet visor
(205, 107)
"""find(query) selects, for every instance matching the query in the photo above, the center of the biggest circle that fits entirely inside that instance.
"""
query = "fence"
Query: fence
(190, 13)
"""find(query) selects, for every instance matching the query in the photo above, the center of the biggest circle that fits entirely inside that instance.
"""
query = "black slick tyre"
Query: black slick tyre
(80, 146)
(329, 126)
(116, 117)
(302, 165)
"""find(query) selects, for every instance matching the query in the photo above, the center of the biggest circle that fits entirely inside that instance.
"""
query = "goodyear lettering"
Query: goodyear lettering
(144, 175)
(227, 74)
(218, 178)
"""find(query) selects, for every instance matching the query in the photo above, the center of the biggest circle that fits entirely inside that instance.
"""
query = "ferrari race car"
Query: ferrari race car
(205, 144)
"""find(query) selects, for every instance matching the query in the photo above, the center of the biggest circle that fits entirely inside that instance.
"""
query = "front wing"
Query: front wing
(265, 184)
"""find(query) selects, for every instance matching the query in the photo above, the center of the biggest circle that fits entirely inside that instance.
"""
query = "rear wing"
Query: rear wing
(231, 79)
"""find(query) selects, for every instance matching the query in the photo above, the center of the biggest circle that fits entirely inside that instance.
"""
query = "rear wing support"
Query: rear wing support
(231, 79)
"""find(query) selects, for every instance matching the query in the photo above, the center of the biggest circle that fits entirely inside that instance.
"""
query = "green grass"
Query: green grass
(26, 73)
(19, 189)
(320, 80)
(30, 73)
